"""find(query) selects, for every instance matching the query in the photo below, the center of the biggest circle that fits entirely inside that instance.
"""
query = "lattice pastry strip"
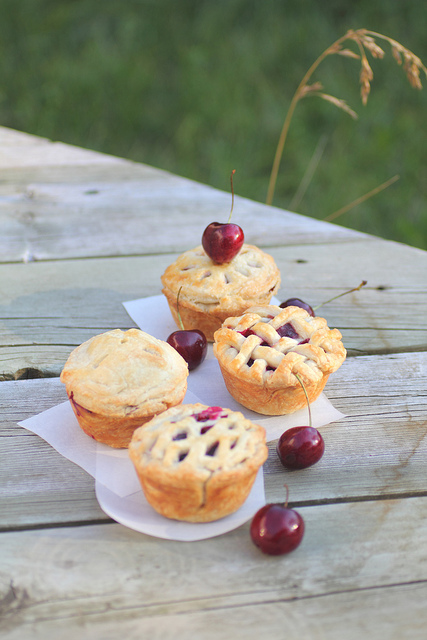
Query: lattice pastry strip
(212, 444)
(282, 339)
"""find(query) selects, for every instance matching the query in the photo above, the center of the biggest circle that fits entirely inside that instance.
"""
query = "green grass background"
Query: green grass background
(202, 87)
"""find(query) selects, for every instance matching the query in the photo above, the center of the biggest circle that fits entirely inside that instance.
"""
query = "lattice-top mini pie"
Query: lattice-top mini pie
(118, 380)
(260, 352)
(210, 292)
(198, 463)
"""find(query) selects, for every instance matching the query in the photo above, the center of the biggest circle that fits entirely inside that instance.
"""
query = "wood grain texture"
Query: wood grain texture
(378, 450)
(58, 201)
(48, 308)
(106, 581)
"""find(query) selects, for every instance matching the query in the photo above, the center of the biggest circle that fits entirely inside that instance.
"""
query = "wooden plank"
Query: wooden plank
(104, 217)
(60, 201)
(47, 308)
(19, 150)
(380, 447)
(353, 571)
(14, 138)
(378, 450)
(28, 492)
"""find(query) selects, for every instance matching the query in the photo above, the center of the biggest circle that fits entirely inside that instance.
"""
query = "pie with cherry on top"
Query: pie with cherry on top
(260, 352)
(209, 293)
(197, 463)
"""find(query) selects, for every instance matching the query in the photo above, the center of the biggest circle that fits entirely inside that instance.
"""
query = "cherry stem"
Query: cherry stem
(232, 194)
(287, 495)
(306, 397)
(177, 310)
(362, 284)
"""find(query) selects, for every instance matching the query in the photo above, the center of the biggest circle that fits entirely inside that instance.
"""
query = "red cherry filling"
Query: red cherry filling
(211, 413)
(204, 429)
(248, 332)
(212, 449)
(80, 411)
(287, 331)
(180, 436)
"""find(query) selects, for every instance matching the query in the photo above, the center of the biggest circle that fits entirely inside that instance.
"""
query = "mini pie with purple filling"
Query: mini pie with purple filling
(118, 380)
(260, 352)
(197, 463)
(210, 293)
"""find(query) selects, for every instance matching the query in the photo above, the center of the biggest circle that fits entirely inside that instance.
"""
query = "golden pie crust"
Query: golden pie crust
(260, 352)
(118, 380)
(210, 292)
(198, 463)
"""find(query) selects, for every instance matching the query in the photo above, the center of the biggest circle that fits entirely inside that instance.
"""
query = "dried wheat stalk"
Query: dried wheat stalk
(365, 42)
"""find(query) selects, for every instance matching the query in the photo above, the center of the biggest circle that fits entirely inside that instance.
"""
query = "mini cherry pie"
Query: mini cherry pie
(118, 380)
(210, 293)
(260, 352)
(198, 463)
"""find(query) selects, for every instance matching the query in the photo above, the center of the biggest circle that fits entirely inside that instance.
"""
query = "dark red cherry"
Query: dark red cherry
(191, 344)
(296, 302)
(222, 241)
(300, 447)
(276, 529)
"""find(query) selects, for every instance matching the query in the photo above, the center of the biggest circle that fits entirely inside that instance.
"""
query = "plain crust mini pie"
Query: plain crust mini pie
(198, 463)
(118, 380)
(260, 352)
(210, 293)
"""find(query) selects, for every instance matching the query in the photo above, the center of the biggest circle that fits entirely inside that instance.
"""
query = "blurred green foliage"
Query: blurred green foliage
(201, 87)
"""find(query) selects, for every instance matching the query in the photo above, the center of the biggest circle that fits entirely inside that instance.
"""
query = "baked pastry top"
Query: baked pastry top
(124, 373)
(268, 345)
(252, 277)
(268, 342)
(198, 463)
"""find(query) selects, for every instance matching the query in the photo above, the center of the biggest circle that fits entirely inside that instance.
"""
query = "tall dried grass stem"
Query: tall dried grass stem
(364, 41)
(373, 192)
(309, 172)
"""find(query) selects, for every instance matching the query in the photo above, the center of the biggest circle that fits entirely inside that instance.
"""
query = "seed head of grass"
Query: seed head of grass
(365, 42)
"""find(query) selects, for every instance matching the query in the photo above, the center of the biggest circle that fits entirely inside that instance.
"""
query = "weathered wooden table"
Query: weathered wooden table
(81, 232)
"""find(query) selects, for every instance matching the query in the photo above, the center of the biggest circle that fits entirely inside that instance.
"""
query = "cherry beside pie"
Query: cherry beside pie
(260, 352)
(197, 463)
